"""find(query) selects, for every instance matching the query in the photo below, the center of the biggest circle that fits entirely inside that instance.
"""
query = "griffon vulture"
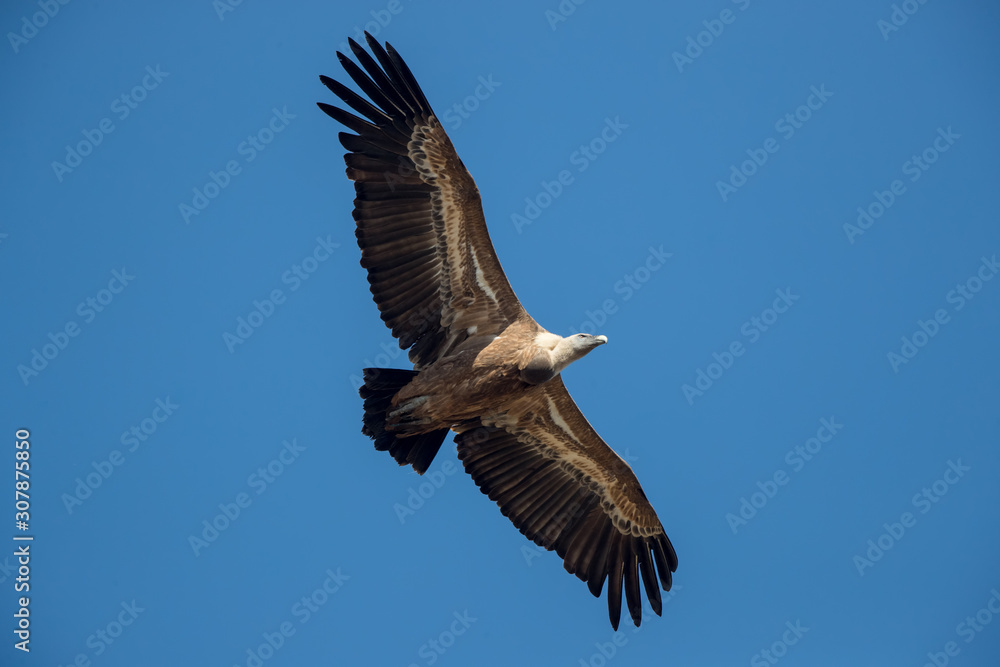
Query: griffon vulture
(482, 367)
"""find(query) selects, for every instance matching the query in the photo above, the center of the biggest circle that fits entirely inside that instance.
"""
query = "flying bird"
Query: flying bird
(482, 367)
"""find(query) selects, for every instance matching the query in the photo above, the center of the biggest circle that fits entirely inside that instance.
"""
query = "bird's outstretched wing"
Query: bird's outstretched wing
(431, 265)
(565, 489)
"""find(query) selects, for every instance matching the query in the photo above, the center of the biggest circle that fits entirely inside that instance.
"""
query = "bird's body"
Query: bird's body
(484, 375)
(482, 367)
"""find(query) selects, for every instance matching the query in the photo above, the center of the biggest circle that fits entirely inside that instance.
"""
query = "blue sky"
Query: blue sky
(783, 218)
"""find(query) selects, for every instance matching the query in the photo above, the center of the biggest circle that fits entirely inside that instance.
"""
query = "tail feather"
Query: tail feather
(381, 385)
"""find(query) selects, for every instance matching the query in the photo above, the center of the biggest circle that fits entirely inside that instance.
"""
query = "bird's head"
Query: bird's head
(575, 347)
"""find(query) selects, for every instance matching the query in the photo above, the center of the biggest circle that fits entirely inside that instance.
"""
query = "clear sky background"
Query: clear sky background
(745, 136)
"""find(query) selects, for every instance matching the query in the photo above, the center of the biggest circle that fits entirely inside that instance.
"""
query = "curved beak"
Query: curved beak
(602, 340)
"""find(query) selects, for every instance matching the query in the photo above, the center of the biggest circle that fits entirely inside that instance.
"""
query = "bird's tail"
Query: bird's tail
(419, 449)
